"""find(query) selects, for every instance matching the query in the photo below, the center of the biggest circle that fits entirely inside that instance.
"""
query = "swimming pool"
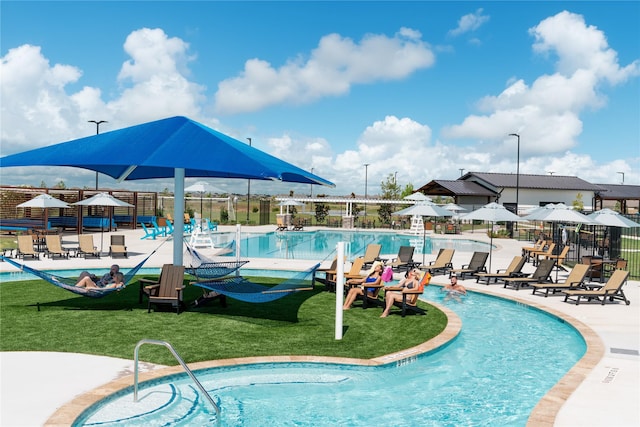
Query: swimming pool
(320, 245)
(506, 357)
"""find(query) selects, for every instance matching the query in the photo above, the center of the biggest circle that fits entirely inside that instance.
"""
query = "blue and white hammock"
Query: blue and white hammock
(198, 265)
(239, 288)
(69, 283)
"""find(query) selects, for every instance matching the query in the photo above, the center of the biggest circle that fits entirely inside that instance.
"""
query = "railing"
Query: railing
(184, 366)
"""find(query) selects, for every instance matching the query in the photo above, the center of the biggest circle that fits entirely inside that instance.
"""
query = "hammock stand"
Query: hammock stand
(239, 288)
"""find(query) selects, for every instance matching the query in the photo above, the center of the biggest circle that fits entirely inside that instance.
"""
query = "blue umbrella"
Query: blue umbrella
(174, 147)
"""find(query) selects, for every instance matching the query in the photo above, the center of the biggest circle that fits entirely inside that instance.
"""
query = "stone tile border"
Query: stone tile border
(543, 414)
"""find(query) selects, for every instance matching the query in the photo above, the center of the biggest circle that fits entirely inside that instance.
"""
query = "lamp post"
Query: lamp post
(366, 168)
(461, 171)
(248, 189)
(312, 184)
(622, 173)
(98, 123)
(517, 171)
(395, 178)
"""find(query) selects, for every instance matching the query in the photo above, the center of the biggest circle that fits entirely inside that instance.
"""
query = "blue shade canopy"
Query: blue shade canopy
(155, 149)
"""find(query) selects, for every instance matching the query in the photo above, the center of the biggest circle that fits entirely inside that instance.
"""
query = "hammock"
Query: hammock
(69, 283)
(200, 266)
(244, 290)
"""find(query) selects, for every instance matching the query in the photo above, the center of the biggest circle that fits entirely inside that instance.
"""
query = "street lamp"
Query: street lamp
(311, 184)
(98, 123)
(621, 173)
(248, 189)
(366, 168)
(395, 178)
(461, 171)
(517, 171)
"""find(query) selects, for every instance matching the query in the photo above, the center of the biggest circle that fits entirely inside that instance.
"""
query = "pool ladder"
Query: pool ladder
(184, 366)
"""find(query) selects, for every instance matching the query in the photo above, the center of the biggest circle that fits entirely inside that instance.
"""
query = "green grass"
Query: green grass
(299, 324)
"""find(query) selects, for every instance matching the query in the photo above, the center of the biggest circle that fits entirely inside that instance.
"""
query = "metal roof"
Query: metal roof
(540, 182)
(619, 192)
(442, 187)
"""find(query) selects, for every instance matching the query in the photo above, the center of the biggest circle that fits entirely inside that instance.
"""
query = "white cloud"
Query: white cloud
(332, 68)
(470, 22)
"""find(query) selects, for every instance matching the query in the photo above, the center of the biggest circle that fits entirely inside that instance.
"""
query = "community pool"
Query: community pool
(504, 361)
(320, 245)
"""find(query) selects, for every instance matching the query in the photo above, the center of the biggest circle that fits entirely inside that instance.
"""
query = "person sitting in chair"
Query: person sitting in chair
(410, 282)
(87, 282)
(373, 277)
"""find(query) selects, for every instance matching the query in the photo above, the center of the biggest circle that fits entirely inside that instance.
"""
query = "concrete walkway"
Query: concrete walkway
(34, 385)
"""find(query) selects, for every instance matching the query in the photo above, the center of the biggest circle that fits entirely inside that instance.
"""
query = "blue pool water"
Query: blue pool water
(505, 359)
(320, 245)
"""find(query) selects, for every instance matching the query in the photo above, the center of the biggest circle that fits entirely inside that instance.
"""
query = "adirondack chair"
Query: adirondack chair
(168, 289)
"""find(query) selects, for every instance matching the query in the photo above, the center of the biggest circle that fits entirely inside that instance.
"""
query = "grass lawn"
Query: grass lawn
(299, 324)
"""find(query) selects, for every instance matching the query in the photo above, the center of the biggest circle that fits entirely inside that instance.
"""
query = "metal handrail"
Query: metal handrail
(179, 359)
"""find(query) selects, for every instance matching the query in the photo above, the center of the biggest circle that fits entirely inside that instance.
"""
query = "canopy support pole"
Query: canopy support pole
(178, 211)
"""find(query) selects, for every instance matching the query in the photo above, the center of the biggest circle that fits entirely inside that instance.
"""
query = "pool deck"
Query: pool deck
(601, 391)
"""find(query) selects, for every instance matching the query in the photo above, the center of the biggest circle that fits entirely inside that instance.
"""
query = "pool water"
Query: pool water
(321, 245)
(505, 359)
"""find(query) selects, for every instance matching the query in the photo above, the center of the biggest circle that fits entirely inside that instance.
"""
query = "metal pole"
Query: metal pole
(517, 171)
(366, 169)
(339, 290)
(97, 122)
(312, 185)
(248, 189)
(461, 171)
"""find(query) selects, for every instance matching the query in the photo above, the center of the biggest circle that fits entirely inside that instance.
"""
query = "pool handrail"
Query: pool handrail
(179, 359)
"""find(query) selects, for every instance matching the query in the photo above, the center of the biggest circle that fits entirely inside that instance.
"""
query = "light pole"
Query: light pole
(98, 123)
(461, 171)
(312, 185)
(622, 173)
(517, 171)
(395, 178)
(366, 168)
(248, 189)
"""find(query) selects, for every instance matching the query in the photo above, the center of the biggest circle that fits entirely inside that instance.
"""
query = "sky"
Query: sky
(416, 90)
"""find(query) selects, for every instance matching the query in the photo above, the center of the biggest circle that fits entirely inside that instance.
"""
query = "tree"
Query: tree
(408, 190)
(322, 210)
(60, 185)
(43, 184)
(390, 190)
(578, 204)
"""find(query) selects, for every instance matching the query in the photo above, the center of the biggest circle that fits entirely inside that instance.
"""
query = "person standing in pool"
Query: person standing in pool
(373, 278)
(454, 289)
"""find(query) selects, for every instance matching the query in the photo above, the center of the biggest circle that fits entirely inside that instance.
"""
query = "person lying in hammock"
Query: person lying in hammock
(88, 283)
(101, 282)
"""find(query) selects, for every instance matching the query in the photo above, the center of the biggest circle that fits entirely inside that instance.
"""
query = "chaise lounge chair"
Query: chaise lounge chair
(573, 281)
(54, 247)
(117, 247)
(353, 273)
(25, 248)
(514, 269)
(538, 246)
(86, 247)
(168, 289)
(538, 255)
(541, 275)
(475, 266)
(442, 264)
(371, 254)
(611, 290)
(404, 260)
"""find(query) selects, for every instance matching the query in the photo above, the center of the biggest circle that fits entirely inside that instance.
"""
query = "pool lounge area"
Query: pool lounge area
(613, 330)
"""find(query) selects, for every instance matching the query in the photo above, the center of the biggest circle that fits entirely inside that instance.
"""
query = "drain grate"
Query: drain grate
(625, 351)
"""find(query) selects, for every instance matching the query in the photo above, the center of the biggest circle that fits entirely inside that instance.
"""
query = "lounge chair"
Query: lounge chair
(442, 264)
(514, 269)
(542, 254)
(559, 259)
(538, 246)
(328, 271)
(211, 226)
(476, 265)
(148, 232)
(353, 273)
(86, 247)
(25, 248)
(371, 254)
(117, 247)
(54, 247)
(280, 225)
(608, 269)
(297, 225)
(611, 290)
(404, 259)
(574, 280)
(409, 301)
(168, 289)
(541, 275)
(160, 230)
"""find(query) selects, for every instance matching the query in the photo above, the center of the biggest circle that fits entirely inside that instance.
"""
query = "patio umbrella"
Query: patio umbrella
(102, 199)
(175, 147)
(418, 197)
(424, 208)
(492, 212)
(203, 187)
(44, 201)
(611, 218)
(453, 207)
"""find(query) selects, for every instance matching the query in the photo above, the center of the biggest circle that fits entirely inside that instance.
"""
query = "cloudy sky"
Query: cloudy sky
(418, 90)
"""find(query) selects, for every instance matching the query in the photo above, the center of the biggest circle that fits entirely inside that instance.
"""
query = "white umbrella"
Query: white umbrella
(102, 199)
(44, 201)
(453, 207)
(203, 187)
(611, 218)
(558, 212)
(418, 197)
(424, 208)
(492, 212)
